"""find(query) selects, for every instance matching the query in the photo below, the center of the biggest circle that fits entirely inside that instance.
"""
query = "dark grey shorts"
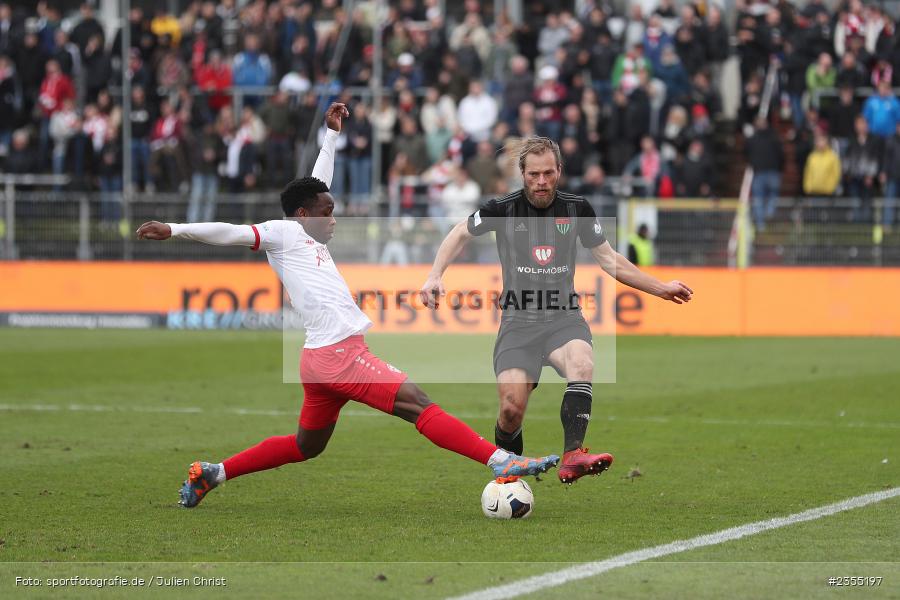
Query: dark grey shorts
(526, 346)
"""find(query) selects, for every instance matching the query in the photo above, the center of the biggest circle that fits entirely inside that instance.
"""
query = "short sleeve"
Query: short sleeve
(485, 218)
(590, 231)
(270, 235)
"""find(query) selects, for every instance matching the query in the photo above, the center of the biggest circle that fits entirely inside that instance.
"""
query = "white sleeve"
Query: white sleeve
(217, 234)
(324, 168)
(272, 235)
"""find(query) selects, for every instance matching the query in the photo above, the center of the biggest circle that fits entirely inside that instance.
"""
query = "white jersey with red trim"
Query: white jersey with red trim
(315, 286)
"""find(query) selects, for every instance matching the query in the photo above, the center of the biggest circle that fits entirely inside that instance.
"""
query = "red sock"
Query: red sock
(268, 454)
(450, 433)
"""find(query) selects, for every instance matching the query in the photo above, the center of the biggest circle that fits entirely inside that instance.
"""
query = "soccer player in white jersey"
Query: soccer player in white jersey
(336, 365)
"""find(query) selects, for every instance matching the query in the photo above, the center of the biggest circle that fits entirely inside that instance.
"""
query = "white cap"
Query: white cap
(406, 60)
(548, 72)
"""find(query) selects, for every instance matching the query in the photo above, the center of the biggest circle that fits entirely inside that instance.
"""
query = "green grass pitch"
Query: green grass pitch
(723, 431)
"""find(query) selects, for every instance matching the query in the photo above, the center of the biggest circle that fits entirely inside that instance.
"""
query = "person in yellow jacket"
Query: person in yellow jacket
(640, 247)
(822, 173)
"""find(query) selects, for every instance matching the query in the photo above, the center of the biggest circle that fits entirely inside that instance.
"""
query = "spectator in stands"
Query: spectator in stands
(822, 174)
(673, 74)
(640, 247)
(882, 111)
(359, 158)
(574, 159)
(603, 60)
(674, 135)
(795, 64)
(841, 116)
(626, 71)
(64, 125)
(851, 73)
(890, 179)
(252, 68)
(214, 79)
(694, 173)
(483, 168)
(97, 68)
(690, 50)
(109, 177)
(460, 196)
(207, 151)
(553, 35)
(549, 97)
(10, 100)
(861, 167)
(411, 143)
(437, 110)
(8, 29)
(30, 62)
(820, 75)
(519, 88)
(473, 32)
(281, 123)
(656, 38)
(142, 121)
(21, 158)
(55, 89)
(67, 55)
(766, 158)
(166, 156)
(87, 28)
(407, 75)
(477, 113)
(718, 46)
(644, 170)
(383, 124)
(242, 164)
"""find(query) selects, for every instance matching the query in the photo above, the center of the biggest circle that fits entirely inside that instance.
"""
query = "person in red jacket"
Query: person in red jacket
(214, 78)
(55, 89)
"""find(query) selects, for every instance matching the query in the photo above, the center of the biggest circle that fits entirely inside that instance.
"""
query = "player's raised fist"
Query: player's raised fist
(432, 291)
(334, 115)
(154, 230)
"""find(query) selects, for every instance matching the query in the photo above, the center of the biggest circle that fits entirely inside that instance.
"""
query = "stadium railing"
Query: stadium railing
(65, 225)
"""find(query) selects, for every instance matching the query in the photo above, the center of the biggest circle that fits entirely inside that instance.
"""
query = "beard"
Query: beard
(539, 201)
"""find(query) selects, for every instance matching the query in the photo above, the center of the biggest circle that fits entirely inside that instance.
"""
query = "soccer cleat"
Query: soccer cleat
(578, 463)
(520, 466)
(201, 479)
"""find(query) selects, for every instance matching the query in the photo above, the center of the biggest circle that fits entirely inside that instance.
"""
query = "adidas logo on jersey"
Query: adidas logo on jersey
(521, 227)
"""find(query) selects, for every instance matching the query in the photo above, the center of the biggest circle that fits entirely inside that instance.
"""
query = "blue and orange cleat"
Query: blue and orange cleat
(578, 463)
(201, 478)
(520, 466)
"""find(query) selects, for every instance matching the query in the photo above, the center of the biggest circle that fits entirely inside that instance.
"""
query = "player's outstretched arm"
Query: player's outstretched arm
(450, 248)
(626, 272)
(216, 234)
(323, 170)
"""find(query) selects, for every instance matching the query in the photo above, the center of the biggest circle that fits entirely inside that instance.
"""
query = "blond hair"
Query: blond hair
(537, 145)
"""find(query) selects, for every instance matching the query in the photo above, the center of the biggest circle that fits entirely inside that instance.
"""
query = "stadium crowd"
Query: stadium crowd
(224, 95)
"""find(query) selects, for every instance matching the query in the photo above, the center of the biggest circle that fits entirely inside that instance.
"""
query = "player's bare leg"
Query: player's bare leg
(576, 360)
(514, 387)
(268, 454)
(448, 432)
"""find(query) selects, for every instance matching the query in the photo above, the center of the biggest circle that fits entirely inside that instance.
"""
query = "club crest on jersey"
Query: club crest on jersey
(563, 225)
(322, 255)
(542, 254)
(597, 228)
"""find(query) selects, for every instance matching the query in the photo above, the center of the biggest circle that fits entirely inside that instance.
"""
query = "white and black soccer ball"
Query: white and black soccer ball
(513, 500)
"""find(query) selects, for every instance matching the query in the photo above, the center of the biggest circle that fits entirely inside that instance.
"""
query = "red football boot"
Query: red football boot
(578, 463)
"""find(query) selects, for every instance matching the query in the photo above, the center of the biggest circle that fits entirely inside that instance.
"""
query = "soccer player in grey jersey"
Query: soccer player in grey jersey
(536, 229)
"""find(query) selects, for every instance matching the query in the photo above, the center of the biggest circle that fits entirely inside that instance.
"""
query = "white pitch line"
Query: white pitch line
(591, 569)
(350, 412)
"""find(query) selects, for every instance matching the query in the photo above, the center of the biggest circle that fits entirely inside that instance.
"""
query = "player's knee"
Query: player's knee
(581, 370)
(310, 448)
(510, 415)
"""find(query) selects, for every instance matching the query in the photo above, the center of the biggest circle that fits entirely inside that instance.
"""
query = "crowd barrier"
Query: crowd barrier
(760, 301)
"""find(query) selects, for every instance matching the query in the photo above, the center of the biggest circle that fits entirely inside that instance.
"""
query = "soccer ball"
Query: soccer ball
(513, 500)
